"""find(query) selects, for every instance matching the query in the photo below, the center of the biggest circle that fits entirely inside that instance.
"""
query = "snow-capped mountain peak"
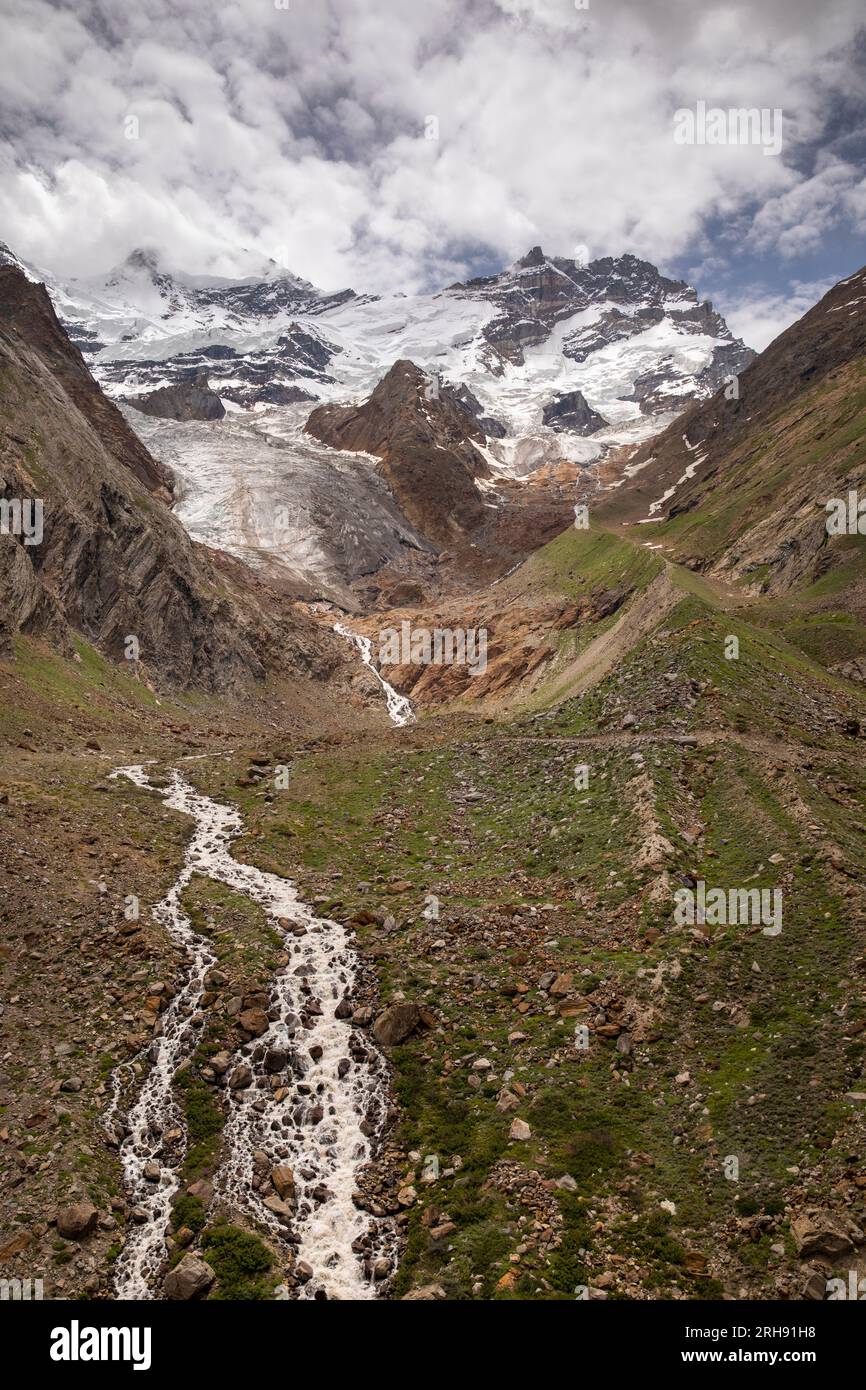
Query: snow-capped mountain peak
(634, 343)
(556, 360)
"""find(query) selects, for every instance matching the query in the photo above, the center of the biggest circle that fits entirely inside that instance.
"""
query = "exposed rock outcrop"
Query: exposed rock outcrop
(427, 441)
(26, 309)
(539, 290)
(188, 400)
(494, 429)
(571, 411)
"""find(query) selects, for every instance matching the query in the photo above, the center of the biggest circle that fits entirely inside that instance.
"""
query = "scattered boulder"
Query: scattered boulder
(77, 1221)
(254, 1021)
(815, 1288)
(202, 1188)
(191, 1278)
(220, 1063)
(818, 1232)
(283, 1180)
(280, 1209)
(397, 1023)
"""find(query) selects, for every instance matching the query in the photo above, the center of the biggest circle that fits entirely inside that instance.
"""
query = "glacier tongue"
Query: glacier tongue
(268, 493)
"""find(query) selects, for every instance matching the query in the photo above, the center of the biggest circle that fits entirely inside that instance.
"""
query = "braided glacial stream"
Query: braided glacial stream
(333, 1100)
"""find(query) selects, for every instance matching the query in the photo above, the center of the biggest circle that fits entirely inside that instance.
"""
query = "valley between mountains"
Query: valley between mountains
(330, 980)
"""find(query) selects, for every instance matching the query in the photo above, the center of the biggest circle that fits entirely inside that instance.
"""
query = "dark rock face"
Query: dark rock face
(426, 440)
(492, 428)
(306, 354)
(649, 389)
(538, 291)
(614, 326)
(112, 561)
(656, 392)
(728, 360)
(572, 412)
(189, 400)
(218, 352)
(275, 394)
(26, 311)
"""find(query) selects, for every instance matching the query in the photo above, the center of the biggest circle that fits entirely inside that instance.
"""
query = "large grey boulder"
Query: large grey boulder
(191, 1278)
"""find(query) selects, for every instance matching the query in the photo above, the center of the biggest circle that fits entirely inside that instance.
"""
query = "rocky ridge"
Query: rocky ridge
(428, 443)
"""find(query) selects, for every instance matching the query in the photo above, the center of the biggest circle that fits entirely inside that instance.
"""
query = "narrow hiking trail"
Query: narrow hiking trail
(331, 1109)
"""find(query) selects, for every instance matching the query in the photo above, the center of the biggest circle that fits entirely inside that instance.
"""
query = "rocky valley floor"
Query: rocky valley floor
(583, 1094)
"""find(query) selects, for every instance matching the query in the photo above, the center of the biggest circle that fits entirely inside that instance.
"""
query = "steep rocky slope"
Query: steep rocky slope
(28, 314)
(739, 487)
(112, 562)
(740, 483)
(427, 441)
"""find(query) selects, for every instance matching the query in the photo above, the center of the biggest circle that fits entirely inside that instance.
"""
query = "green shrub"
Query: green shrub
(241, 1262)
(189, 1211)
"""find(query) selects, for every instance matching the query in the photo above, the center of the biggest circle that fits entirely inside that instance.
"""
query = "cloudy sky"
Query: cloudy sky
(301, 129)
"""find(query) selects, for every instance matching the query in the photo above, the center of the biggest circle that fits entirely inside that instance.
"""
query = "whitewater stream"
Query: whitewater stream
(331, 1110)
(399, 708)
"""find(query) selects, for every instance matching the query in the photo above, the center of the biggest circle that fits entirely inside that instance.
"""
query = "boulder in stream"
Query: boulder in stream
(191, 1278)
